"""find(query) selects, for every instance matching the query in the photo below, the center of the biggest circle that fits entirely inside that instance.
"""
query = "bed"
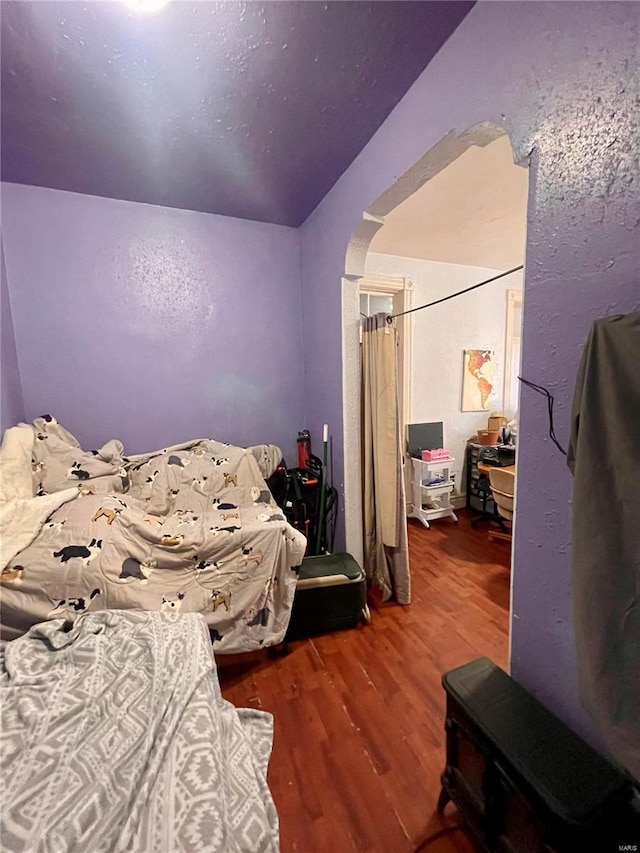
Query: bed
(191, 528)
(115, 737)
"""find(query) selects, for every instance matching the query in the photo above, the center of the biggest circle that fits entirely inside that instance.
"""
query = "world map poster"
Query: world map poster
(477, 380)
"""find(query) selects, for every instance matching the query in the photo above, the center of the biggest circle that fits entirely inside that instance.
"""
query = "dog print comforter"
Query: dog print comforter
(114, 737)
(191, 528)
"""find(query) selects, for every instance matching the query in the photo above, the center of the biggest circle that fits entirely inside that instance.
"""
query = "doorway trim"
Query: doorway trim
(401, 289)
(513, 338)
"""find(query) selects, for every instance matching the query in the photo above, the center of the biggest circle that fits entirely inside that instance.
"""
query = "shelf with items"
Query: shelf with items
(431, 488)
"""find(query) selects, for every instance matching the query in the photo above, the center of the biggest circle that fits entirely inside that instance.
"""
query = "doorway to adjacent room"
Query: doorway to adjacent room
(456, 219)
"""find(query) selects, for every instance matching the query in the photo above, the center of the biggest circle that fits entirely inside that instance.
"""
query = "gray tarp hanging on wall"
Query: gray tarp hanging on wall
(604, 456)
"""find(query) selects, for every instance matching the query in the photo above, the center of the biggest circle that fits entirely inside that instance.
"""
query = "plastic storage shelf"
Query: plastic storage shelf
(430, 499)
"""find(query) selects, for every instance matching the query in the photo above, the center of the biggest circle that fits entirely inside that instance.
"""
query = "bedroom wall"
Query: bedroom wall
(11, 402)
(151, 324)
(476, 320)
(562, 81)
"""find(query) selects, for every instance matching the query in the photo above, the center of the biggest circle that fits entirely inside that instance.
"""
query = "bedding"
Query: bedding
(189, 528)
(115, 737)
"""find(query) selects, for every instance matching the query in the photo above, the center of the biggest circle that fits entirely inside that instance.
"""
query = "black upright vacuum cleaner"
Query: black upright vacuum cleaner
(331, 592)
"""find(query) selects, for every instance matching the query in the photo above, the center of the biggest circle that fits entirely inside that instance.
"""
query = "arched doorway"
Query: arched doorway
(447, 153)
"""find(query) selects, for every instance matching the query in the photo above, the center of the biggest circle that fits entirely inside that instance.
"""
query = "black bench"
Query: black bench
(521, 779)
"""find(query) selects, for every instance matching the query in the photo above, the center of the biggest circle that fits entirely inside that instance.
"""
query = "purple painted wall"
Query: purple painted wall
(151, 324)
(562, 79)
(11, 402)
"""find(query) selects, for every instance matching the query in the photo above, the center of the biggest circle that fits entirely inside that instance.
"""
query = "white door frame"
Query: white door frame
(401, 289)
(513, 336)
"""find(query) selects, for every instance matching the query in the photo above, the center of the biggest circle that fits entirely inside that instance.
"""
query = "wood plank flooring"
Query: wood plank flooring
(359, 715)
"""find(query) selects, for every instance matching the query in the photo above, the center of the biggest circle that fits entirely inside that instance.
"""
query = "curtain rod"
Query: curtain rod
(453, 295)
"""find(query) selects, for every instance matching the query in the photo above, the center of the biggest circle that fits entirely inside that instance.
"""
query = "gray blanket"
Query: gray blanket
(115, 737)
(192, 528)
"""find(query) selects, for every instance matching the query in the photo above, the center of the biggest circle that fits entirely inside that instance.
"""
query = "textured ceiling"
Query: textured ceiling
(244, 109)
(474, 212)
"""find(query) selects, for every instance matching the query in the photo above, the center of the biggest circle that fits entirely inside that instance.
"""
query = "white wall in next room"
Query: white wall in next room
(476, 320)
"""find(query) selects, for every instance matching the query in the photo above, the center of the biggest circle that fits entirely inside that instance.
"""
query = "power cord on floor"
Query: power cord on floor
(436, 835)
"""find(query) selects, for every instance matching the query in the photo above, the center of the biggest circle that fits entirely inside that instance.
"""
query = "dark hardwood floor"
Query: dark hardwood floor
(359, 737)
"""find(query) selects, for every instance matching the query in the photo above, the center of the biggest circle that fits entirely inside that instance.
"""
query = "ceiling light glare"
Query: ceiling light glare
(146, 7)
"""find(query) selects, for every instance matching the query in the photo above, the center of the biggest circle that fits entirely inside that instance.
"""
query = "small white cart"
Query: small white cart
(431, 501)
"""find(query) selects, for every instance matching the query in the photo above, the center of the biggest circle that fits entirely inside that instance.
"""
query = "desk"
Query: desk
(485, 469)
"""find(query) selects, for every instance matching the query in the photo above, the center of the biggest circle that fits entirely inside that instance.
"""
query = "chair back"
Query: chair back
(503, 487)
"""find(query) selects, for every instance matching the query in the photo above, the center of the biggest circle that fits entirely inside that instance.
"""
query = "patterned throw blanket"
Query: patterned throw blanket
(115, 737)
(190, 528)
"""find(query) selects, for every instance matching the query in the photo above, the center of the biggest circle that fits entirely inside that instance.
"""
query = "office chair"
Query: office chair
(503, 488)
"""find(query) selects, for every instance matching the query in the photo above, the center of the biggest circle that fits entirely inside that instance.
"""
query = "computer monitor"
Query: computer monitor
(424, 437)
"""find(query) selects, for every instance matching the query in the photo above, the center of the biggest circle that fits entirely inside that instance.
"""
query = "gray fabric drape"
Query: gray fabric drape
(385, 523)
(604, 456)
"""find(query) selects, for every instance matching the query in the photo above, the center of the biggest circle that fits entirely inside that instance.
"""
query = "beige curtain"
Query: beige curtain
(385, 522)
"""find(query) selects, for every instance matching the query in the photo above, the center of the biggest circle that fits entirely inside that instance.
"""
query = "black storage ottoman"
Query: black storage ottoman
(331, 594)
(522, 780)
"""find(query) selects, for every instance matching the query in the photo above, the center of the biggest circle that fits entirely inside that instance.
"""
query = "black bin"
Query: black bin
(331, 594)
